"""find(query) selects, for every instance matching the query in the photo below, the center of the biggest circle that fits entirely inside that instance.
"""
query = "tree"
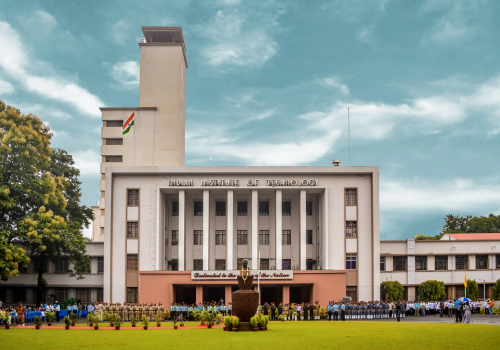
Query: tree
(472, 224)
(421, 237)
(10, 258)
(393, 290)
(40, 196)
(472, 290)
(496, 290)
(431, 290)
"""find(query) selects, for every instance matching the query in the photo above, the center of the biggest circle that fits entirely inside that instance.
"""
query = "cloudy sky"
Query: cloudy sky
(269, 83)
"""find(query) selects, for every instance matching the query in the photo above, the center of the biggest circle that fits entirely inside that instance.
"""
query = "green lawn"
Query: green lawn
(287, 335)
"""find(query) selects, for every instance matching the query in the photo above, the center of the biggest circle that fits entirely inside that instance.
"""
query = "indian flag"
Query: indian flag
(128, 124)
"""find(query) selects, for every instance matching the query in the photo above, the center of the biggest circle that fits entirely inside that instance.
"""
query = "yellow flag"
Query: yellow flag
(465, 280)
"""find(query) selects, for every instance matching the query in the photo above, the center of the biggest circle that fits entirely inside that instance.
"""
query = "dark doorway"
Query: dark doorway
(185, 294)
(214, 293)
(299, 294)
(271, 294)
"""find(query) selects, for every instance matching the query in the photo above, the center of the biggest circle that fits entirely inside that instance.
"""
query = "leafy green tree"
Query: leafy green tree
(393, 290)
(421, 237)
(431, 290)
(496, 290)
(36, 180)
(11, 258)
(472, 289)
(471, 224)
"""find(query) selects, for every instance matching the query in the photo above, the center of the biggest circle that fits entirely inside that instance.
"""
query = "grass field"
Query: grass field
(281, 335)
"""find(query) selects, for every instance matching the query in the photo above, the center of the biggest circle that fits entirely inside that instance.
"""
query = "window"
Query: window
(113, 142)
(286, 264)
(100, 294)
(498, 261)
(481, 262)
(462, 262)
(133, 197)
(220, 237)
(350, 261)
(309, 264)
(220, 208)
(198, 264)
(286, 208)
(113, 159)
(132, 262)
(62, 265)
(286, 237)
(459, 291)
(480, 291)
(132, 295)
(421, 263)
(132, 229)
(175, 264)
(382, 263)
(352, 292)
(263, 208)
(351, 229)
(114, 123)
(309, 237)
(309, 208)
(83, 295)
(239, 264)
(242, 237)
(220, 264)
(198, 237)
(175, 208)
(399, 263)
(100, 265)
(61, 294)
(350, 197)
(441, 262)
(242, 208)
(198, 208)
(175, 237)
(264, 237)
(264, 264)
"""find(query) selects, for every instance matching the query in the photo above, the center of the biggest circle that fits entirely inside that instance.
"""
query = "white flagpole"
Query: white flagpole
(258, 275)
(134, 143)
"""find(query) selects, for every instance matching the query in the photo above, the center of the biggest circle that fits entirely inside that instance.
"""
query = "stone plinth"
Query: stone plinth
(245, 301)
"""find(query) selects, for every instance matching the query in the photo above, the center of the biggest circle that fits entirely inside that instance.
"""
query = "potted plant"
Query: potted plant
(96, 322)
(282, 318)
(38, 322)
(211, 319)
(254, 323)
(111, 318)
(118, 322)
(4, 315)
(90, 320)
(266, 318)
(236, 322)
(133, 320)
(48, 317)
(263, 324)
(175, 322)
(145, 322)
(73, 317)
(67, 322)
(158, 320)
(227, 323)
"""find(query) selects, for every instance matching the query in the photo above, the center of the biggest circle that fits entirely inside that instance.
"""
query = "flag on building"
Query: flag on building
(128, 124)
(465, 280)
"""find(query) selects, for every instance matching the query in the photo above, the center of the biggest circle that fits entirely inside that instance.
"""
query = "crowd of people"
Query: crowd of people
(335, 311)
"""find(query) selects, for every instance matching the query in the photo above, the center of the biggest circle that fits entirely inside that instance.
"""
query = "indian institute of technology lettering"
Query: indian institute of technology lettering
(250, 183)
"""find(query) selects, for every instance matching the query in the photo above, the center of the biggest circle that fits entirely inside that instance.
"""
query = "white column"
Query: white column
(302, 229)
(255, 228)
(182, 229)
(229, 231)
(279, 230)
(206, 213)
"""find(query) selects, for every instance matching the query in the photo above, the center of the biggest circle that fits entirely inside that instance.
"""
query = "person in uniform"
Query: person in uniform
(20, 314)
(311, 311)
(273, 311)
(280, 308)
(266, 309)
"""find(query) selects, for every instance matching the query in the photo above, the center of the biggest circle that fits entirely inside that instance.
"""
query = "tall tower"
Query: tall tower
(157, 136)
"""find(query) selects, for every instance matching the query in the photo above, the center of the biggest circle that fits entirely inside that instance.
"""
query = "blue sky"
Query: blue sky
(269, 83)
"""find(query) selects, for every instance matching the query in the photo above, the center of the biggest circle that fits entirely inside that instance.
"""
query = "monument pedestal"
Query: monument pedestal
(245, 327)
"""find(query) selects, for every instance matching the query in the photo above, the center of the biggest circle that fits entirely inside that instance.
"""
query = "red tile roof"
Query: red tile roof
(475, 236)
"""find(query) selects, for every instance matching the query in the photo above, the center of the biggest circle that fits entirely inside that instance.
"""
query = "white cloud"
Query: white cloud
(6, 87)
(19, 67)
(364, 36)
(87, 232)
(236, 39)
(43, 17)
(119, 31)
(126, 73)
(42, 111)
(88, 162)
(335, 83)
(228, 2)
(449, 195)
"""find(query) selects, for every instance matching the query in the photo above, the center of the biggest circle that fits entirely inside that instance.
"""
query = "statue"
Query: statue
(245, 301)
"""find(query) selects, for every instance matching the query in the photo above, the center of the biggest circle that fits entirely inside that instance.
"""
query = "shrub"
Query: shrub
(145, 320)
(37, 321)
(266, 320)
(432, 290)
(253, 321)
(118, 321)
(227, 321)
(236, 321)
(393, 290)
(49, 316)
(67, 321)
(73, 317)
(496, 290)
(472, 290)
(262, 322)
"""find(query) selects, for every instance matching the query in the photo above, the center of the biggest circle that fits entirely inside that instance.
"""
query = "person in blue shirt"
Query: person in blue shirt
(330, 311)
(230, 308)
(456, 306)
(342, 312)
(335, 312)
